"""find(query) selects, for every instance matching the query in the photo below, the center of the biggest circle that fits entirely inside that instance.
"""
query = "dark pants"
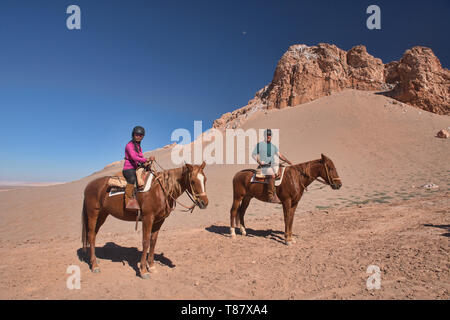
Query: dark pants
(130, 176)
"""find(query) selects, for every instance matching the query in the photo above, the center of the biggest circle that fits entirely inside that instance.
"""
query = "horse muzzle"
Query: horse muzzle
(336, 186)
(202, 204)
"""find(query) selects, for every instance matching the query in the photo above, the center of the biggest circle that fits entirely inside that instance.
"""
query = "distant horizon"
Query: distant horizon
(29, 183)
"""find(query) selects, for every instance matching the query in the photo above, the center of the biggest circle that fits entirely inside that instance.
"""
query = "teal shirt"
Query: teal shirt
(266, 151)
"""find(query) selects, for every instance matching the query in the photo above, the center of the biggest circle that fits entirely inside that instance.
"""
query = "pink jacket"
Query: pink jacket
(133, 158)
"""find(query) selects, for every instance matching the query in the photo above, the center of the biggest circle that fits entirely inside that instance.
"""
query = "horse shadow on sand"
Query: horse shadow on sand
(126, 255)
(445, 227)
(268, 233)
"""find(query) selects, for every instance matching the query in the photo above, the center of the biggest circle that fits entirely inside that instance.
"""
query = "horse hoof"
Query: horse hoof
(145, 275)
(288, 243)
(96, 270)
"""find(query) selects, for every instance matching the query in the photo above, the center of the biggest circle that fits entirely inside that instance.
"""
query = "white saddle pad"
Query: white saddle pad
(278, 182)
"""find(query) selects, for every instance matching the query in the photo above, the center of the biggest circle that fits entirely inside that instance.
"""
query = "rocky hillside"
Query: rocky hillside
(420, 80)
(306, 73)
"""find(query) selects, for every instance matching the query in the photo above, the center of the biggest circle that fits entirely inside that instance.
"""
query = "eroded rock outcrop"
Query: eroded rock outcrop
(444, 134)
(306, 73)
(421, 81)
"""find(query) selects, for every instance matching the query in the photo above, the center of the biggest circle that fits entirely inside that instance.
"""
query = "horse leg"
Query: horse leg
(153, 238)
(147, 222)
(241, 211)
(233, 215)
(286, 211)
(100, 221)
(290, 222)
(92, 217)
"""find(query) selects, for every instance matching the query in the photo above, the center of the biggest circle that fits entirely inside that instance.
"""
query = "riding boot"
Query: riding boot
(272, 191)
(130, 200)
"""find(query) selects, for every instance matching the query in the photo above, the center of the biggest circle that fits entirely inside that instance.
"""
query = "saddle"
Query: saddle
(118, 181)
(259, 177)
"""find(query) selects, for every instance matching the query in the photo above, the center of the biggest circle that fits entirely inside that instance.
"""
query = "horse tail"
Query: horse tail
(238, 193)
(84, 222)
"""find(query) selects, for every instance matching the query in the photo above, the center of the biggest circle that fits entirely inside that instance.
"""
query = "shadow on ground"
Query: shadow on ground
(115, 253)
(446, 227)
(268, 233)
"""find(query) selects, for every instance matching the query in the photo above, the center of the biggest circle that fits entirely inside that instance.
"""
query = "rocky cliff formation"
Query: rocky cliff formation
(306, 73)
(420, 80)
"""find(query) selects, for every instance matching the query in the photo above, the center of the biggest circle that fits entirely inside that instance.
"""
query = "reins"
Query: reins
(195, 200)
(308, 165)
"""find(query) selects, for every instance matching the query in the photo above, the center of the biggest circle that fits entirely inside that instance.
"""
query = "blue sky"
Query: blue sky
(69, 98)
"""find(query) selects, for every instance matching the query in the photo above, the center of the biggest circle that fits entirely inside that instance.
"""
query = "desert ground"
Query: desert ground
(384, 151)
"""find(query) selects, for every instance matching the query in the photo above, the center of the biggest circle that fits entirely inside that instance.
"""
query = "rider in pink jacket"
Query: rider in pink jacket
(133, 158)
(133, 155)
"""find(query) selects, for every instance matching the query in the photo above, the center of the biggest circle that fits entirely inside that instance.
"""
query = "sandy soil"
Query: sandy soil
(381, 216)
(407, 240)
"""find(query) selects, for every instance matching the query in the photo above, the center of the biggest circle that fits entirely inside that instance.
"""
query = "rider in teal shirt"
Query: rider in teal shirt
(264, 153)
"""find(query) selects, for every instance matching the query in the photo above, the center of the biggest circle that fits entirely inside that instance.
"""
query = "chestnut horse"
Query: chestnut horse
(156, 204)
(295, 180)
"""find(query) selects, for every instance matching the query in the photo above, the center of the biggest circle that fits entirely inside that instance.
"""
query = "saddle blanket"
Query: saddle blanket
(118, 180)
(116, 190)
(263, 179)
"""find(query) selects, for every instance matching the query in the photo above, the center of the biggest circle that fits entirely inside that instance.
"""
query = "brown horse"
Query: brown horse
(296, 179)
(156, 204)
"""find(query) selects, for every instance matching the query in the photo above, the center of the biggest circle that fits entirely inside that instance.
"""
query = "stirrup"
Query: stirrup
(133, 205)
(275, 199)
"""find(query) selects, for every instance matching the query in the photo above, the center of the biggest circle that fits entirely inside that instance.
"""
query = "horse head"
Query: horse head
(329, 173)
(196, 184)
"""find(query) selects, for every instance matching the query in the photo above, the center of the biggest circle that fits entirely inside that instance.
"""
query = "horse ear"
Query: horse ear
(189, 167)
(323, 156)
(203, 165)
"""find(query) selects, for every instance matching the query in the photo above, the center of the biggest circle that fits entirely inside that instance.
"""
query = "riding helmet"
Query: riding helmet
(138, 130)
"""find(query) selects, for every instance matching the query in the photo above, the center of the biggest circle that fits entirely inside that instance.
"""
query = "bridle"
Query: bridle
(328, 175)
(193, 196)
(330, 180)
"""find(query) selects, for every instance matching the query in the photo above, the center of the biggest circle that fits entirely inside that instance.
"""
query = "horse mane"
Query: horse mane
(169, 179)
(304, 166)
(251, 170)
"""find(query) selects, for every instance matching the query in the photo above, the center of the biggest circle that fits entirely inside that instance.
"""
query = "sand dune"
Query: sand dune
(383, 153)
